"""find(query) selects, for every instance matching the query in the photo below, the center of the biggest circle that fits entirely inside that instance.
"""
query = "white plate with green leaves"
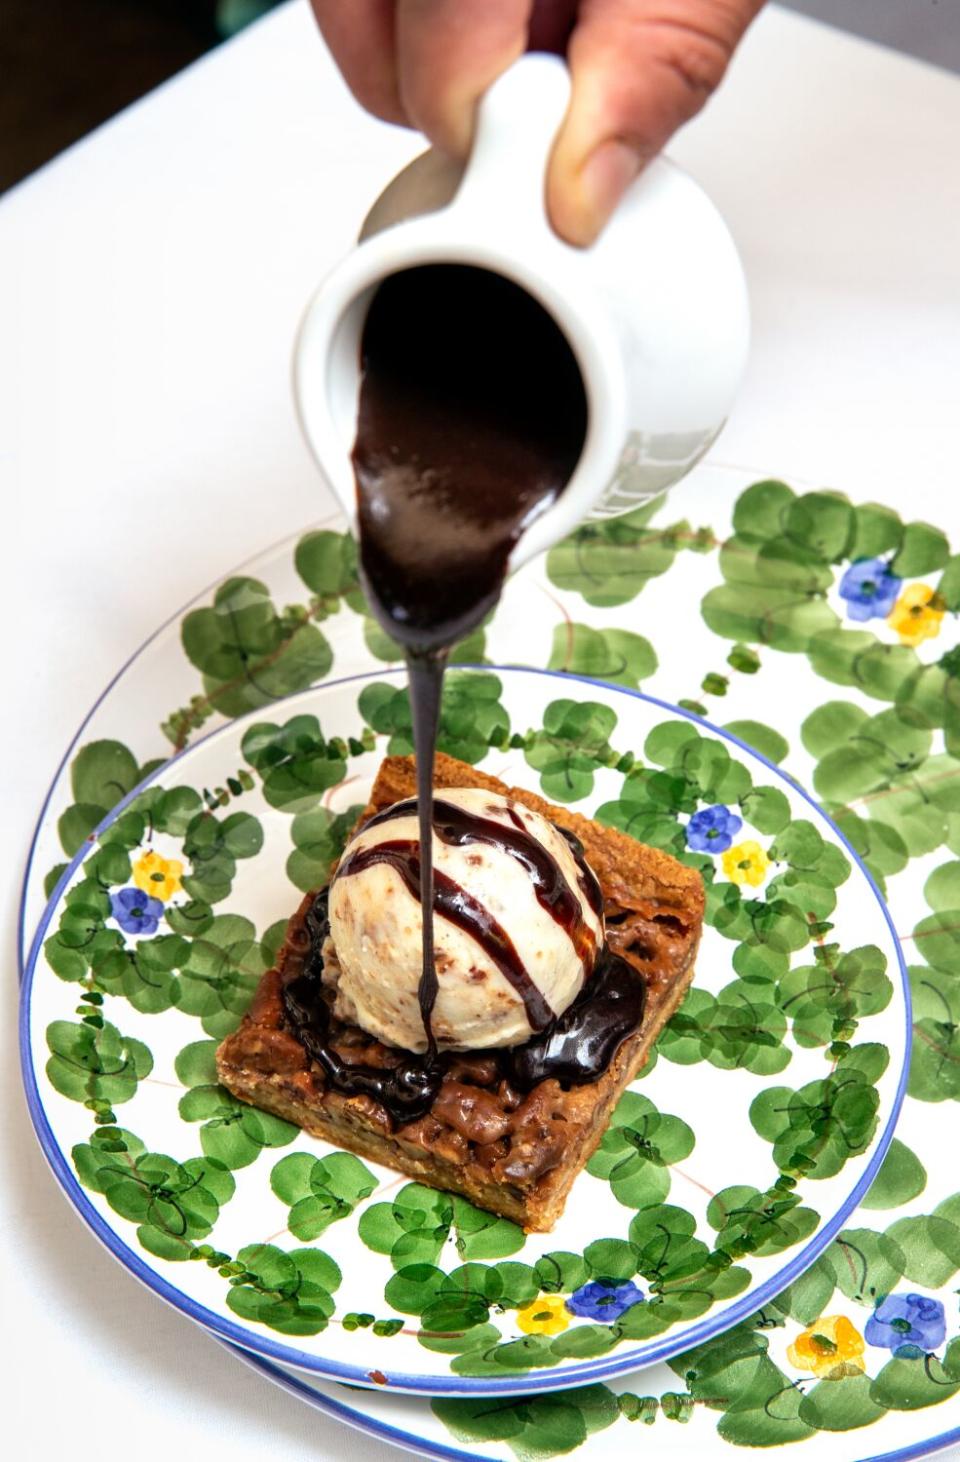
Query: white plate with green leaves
(727, 1169)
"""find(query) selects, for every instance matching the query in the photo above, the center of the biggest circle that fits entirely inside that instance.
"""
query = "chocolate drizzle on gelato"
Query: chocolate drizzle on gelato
(589, 882)
(454, 902)
(457, 826)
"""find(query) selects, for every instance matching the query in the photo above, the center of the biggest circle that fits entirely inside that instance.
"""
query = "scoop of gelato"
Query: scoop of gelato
(517, 924)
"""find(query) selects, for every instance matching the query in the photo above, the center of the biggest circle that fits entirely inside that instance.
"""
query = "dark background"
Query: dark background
(67, 65)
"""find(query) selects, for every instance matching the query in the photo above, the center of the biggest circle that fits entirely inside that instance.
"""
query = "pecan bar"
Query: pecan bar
(512, 1152)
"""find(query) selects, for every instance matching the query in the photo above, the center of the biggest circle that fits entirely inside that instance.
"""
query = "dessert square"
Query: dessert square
(512, 1151)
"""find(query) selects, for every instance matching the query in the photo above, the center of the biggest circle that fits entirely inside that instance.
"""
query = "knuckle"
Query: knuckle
(695, 55)
(654, 59)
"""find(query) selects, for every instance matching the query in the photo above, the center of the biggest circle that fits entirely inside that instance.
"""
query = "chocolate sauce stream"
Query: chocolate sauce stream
(472, 417)
(462, 909)
(426, 683)
(457, 826)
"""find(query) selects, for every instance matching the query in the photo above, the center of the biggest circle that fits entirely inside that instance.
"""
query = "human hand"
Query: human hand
(640, 69)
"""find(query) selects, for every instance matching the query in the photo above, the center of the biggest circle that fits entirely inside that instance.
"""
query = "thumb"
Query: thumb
(640, 69)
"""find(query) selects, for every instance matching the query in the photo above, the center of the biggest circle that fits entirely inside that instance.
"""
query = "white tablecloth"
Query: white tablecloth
(150, 283)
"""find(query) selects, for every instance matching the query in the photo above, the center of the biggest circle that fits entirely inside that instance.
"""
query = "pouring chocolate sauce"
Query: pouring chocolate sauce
(472, 418)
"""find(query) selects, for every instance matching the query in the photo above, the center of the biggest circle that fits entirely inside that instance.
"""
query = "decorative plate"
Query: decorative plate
(706, 1197)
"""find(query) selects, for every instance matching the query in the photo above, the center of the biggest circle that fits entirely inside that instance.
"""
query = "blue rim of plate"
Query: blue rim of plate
(527, 1384)
(421, 1446)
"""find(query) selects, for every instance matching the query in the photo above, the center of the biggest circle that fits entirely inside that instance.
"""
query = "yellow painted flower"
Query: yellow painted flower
(159, 877)
(917, 614)
(746, 863)
(831, 1348)
(544, 1316)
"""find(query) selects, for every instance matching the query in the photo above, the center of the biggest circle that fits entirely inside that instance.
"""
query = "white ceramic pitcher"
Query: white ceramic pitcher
(655, 311)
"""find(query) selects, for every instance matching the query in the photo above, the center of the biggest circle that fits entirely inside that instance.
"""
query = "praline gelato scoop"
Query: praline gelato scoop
(517, 924)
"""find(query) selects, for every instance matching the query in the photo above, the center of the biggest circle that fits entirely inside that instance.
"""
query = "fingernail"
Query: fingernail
(604, 177)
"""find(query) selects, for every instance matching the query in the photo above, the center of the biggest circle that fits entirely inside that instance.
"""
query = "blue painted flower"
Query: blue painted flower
(910, 1320)
(712, 829)
(869, 588)
(605, 1302)
(135, 911)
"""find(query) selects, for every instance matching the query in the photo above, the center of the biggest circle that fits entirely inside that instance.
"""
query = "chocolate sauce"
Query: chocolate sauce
(407, 1090)
(579, 1045)
(457, 826)
(471, 420)
(575, 1048)
(589, 882)
(426, 686)
(462, 909)
(472, 417)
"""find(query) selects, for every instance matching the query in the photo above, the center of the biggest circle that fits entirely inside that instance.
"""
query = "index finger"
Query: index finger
(449, 52)
(361, 35)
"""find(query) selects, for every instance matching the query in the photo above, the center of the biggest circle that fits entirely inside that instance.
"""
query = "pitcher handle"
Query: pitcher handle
(517, 121)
